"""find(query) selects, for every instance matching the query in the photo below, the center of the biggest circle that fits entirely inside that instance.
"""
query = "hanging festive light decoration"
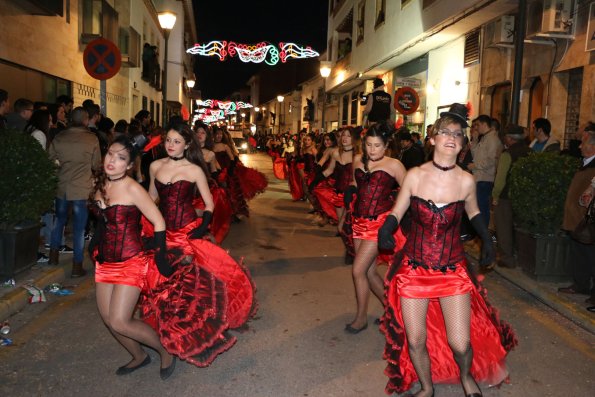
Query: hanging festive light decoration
(255, 53)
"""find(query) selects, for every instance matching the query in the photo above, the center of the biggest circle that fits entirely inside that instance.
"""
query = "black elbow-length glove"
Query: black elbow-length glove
(203, 228)
(161, 254)
(386, 238)
(348, 195)
(488, 253)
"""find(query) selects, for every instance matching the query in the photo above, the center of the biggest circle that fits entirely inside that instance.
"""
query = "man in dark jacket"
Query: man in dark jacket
(412, 155)
(379, 106)
(516, 147)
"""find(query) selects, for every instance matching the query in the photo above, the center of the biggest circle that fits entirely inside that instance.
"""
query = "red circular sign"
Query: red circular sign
(406, 100)
(102, 59)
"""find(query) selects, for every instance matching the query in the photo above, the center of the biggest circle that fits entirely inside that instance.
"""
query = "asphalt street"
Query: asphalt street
(296, 345)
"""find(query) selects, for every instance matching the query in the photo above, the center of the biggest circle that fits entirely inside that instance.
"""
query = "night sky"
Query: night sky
(303, 22)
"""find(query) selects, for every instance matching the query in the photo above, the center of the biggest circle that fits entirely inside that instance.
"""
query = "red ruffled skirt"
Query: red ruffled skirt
(328, 199)
(367, 229)
(294, 179)
(490, 337)
(222, 212)
(208, 294)
(252, 182)
(132, 271)
(280, 168)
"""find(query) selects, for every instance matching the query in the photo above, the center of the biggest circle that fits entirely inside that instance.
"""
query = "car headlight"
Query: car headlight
(244, 146)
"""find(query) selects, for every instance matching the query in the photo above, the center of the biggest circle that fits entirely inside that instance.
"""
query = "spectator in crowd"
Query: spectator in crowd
(416, 138)
(144, 117)
(67, 103)
(380, 104)
(543, 142)
(76, 152)
(106, 127)
(486, 151)
(581, 255)
(58, 120)
(4, 107)
(411, 154)
(516, 147)
(94, 119)
(23, 110)
(121, 128)
(39, 126)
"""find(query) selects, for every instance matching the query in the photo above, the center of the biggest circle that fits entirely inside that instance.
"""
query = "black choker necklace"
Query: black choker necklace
(348, 150)
(450, 167)
(116, 179)
(378, 159)
(176, 158)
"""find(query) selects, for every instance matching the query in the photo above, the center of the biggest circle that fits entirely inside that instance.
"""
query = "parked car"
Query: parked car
(241, 144)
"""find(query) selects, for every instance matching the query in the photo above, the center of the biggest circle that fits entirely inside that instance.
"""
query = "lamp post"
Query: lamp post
(167, 20)
(325, 71)
(280, 99)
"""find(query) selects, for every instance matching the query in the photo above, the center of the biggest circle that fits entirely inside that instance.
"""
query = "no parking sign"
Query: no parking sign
(102, 59)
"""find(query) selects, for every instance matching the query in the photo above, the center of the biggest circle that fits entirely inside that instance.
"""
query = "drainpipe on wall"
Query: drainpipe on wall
(520, 29)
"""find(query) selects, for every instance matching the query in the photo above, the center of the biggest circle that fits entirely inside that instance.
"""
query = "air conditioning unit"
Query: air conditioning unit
(550, 18)
(500, 32)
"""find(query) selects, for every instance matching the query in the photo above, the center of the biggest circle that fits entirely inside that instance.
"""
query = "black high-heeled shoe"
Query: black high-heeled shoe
(165, 373)
(475, 395)
(351, 330)
(124, 370)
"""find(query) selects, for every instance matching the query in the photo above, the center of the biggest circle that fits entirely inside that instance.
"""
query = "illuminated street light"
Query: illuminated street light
(190, 83)
(325, 71)
(167, 20)
(280, 99)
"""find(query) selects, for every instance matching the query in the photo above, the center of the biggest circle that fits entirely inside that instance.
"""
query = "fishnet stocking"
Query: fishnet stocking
(456, 311)
(414, 313)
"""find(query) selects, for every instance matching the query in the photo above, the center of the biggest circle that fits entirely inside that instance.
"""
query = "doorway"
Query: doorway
(501, 103)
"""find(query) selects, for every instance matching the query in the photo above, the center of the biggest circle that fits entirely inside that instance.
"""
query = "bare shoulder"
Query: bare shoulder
(357, 159)
(467, 180)
(155, 165)
(135, 190)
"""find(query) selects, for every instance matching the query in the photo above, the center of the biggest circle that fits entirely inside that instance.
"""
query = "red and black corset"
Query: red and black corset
(121, 239)
(175, 203)
(373, 193)
(434, 239)
(309, 162)
(343, 175)
(223, 159)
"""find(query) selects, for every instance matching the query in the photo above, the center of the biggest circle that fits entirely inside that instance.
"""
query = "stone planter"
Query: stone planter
(18, 249)
(544, 257)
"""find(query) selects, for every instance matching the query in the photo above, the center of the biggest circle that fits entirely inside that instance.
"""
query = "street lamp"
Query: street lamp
(167, 20)
(280, 99)
(190, 83)
(325, 71)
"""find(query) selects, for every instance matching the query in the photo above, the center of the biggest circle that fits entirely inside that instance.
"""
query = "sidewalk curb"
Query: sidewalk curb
(16, 300)
(567, 308)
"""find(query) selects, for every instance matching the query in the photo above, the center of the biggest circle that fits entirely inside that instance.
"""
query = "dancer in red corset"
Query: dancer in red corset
(222, 211)
(121, 263)
(438, 327)
(375, 178)
(208, 292)
(228, 161)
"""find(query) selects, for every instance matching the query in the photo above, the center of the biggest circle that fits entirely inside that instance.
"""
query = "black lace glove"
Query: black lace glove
(348, 195)
(318, 177)
(97, 235)
(201, 230)
(386, 240)
(161, 254)
(488, 253)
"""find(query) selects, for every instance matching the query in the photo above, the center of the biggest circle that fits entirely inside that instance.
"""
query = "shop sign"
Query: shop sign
(407, 82)
(406, 100)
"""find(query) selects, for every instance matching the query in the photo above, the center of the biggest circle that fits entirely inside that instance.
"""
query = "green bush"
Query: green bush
(538, 187)
(27, 179)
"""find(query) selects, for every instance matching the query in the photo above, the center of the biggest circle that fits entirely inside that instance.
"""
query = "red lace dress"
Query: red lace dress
(294, 179)
(252, 181)
(330, 194)
(121, 259)
(222, 211)
(375, 199)
(238, 201)
(208, 293)
(432, 265)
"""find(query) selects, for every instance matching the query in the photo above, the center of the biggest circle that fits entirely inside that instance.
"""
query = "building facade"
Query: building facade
(41, 53)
